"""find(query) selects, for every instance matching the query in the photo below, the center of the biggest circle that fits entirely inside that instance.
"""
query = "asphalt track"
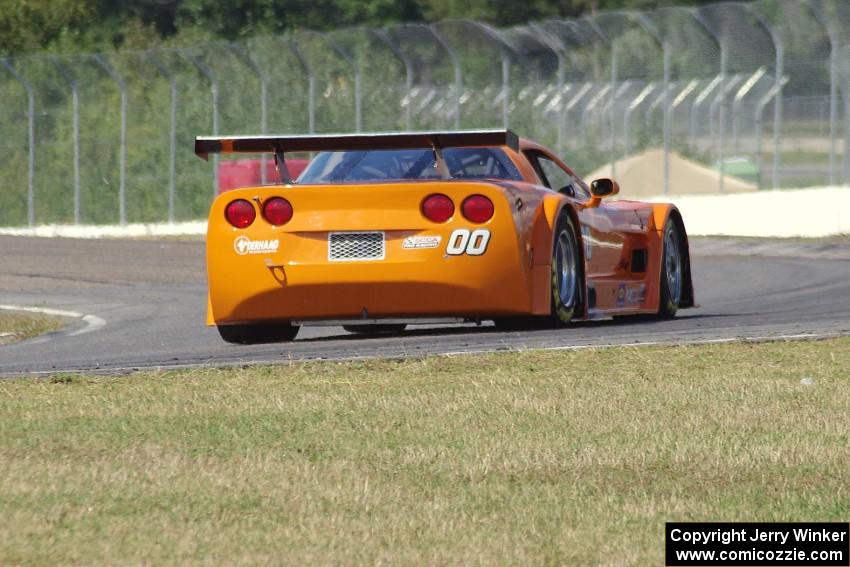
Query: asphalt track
(144, 302)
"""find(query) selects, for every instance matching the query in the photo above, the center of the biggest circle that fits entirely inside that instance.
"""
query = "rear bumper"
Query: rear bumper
(284, 285)
(366, 300)
(267, 273)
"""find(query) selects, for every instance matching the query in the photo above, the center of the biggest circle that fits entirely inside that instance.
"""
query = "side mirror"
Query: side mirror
(604, 187)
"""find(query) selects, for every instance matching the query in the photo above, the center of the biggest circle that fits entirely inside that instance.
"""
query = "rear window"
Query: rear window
(395, 165)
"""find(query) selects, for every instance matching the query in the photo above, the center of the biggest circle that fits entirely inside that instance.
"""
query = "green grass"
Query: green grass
(534, 457)
(20, 325)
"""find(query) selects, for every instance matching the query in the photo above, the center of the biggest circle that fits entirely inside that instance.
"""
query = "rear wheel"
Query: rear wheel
(566, 282)
(671, 284)
(375, 329)
(567, 273)
(258, 333)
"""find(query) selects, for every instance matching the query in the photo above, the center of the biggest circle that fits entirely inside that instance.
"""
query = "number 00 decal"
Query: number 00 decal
(473, 243)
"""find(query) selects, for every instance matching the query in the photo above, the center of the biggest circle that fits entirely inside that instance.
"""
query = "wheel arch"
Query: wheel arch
(553, 207)
(661, 214)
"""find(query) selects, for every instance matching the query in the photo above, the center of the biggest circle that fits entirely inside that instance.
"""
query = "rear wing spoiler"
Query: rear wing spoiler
(279, 145)
(205, 145)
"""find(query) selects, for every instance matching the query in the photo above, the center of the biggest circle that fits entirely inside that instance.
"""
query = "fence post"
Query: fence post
(773, 92)
(311, 82)
(834, 47)
(721, 126)
(457, 70)
(565, 112)
(612, 115)
(718, 107)
(743, 91)
(503, 47)
(833, 106)
(122, 158)
(714, 109)
(75, 111)
(358, 114)
(556, 46)
(778, 83)
(627, 116)
(845, 91)
(700, 99)
(662, 42)
(204, 70)
(668, 116)
(724, 55)
(172, 131)
(243, 55)
(30, 141)
(591, 111)
(612, 45)
(408, 73)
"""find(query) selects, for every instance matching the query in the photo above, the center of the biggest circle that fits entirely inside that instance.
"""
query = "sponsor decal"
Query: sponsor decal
(462, 241)
(244, 245)
(636, 294)
(621, 295)
(415, 242)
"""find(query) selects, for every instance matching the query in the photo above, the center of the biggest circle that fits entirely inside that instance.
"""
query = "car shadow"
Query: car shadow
(488, 328)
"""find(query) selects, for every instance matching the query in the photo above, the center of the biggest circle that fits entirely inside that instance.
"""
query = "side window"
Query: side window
(558, 179)
(532, 159)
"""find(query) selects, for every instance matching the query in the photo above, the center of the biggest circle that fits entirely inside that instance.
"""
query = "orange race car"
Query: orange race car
(382, 230)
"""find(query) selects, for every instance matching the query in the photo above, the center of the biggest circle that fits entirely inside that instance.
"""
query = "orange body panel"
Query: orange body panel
(298, 281)
(287, 273)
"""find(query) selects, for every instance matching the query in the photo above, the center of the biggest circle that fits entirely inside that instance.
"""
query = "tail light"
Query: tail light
(240, 213)
(277, 211)
(477, 208)
(438, 208)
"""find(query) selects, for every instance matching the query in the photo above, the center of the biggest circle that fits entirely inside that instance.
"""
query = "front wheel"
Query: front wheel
(670, 295)
(258, 333)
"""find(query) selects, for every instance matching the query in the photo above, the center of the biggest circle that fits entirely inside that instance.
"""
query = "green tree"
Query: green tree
(88, 25)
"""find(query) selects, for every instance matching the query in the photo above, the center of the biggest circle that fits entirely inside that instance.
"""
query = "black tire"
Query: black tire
(672, 282)
(567, 272)
(258, 333)
(386, 329)
(564, 306)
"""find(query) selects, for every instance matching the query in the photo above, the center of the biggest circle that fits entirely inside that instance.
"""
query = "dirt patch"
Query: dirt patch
(642, 175)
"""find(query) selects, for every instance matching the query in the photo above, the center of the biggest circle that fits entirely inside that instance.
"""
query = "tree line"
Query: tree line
(28, 26)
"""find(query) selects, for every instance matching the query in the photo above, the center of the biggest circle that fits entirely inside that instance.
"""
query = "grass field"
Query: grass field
(17, 325)
(534, 457)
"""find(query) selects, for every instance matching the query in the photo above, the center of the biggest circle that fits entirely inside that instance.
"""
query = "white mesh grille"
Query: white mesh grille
(347, 246)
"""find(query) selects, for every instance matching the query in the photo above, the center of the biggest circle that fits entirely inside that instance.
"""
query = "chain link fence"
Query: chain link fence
(106, 138)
